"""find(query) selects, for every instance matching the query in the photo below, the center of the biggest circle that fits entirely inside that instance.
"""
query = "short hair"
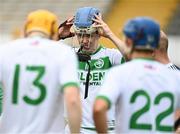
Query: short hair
(163, 43)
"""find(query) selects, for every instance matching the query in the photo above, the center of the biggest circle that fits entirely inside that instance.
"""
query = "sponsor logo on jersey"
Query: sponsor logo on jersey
(95, 78)
(99, 63)
(96, 64)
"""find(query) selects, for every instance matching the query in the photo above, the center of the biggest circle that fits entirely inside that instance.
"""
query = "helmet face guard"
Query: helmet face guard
(84, 30)
(144, 32)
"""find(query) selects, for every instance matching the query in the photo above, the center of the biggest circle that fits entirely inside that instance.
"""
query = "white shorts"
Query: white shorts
(86, 131)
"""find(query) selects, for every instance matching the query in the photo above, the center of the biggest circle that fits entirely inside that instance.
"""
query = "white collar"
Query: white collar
(169, 64)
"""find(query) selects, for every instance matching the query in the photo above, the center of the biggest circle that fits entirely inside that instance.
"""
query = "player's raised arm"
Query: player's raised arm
(105, 31)
(64, 29)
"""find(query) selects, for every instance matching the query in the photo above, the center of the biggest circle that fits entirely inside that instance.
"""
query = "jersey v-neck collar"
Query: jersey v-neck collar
(99, 48)
(147, 59)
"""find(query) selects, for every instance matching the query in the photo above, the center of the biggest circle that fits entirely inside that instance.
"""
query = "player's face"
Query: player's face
(89, 42)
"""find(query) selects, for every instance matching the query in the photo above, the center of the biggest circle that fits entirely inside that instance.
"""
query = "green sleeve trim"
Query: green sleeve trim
(106, 99)
(1, 98)
(94, 129)
(75, 84)
(123, 60)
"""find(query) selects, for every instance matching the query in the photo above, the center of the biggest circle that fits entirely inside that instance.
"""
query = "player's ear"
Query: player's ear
(154, 53)
(129, 42)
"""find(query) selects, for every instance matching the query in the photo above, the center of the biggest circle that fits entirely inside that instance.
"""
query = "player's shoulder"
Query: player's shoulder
(174, 78)
(33, 43)
(170, 74)
(10, 45)
(55, 46)
(123, 69)
(111, 51)
(135, 67)
(174, 67)
(62, 47)
(174, 73)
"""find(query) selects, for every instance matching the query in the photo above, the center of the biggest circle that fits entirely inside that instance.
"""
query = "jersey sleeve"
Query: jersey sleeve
(117, 57)
(1, 88)
(111, 88)
(69, 75)
(178, 91)
(1, 64)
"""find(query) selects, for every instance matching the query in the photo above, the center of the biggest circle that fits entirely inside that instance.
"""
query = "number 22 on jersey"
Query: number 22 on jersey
(40, 71)
(159, 118)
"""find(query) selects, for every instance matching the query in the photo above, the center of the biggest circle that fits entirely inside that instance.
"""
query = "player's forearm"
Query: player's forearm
(100, 121)
(117, 42)
(73, 107)
(74, 116)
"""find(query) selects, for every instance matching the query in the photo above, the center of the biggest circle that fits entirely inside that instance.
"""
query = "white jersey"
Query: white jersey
(101, 61)
(33, 72)
(145, 97)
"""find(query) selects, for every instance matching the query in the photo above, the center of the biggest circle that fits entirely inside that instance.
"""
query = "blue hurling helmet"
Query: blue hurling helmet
(144, 32)
(83, 20)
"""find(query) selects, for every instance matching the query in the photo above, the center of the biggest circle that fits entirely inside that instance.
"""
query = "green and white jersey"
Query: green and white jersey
(33, 73)
(1, 98)
(101, 61)
(145, 98)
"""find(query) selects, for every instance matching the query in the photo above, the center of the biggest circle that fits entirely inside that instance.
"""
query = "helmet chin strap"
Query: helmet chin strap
(83, 57)
(80, 49)
(89, 41)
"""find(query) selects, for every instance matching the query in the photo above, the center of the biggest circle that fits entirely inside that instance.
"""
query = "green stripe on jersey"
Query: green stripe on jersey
(106, 99)
(123, 60)
(96, 64)
(94, 129)
(1, 98)
(69, 84)
(149, 59)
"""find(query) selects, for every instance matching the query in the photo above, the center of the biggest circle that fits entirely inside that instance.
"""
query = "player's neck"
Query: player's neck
(147, 55)
(164, 59)
(37, 34)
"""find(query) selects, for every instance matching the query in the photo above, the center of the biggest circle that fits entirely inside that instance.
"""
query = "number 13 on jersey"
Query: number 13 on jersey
(40, 71)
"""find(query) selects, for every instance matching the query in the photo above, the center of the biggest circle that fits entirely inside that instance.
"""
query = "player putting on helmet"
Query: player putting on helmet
(88, 26)
(148, 94)
(83, 27)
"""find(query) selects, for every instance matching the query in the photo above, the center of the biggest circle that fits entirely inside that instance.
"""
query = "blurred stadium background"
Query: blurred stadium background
(115, 14)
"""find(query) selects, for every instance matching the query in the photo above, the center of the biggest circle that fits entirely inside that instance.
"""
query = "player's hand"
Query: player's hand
(64, 28)
(177, 131)
(103, 28)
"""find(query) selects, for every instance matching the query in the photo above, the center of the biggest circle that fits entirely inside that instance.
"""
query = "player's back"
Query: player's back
(149, 98)
(30, 74)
